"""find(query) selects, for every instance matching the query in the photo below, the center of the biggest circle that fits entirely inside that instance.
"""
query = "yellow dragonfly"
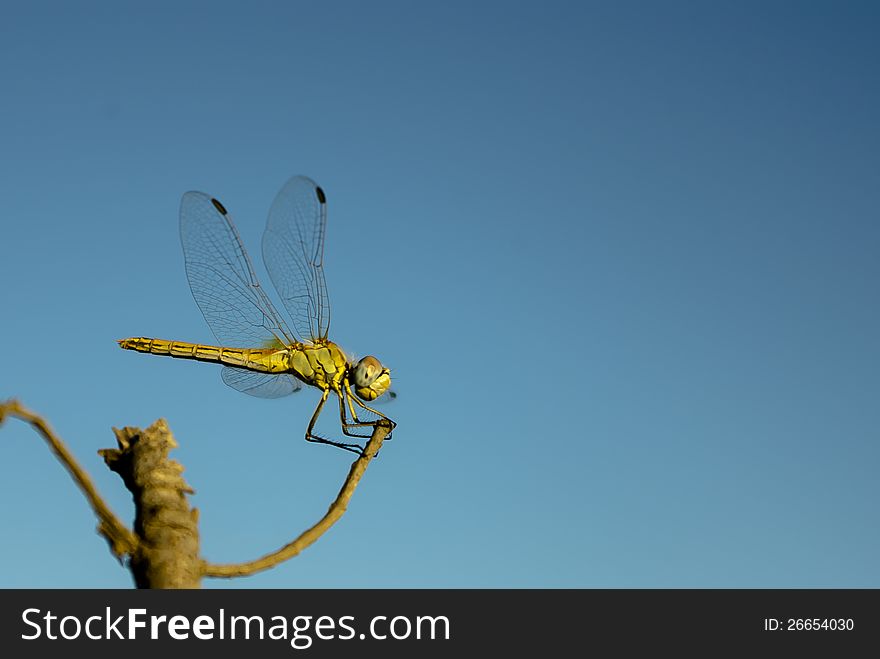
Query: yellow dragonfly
(269, 360)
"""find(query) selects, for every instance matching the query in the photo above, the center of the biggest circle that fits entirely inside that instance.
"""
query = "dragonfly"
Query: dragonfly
(260, 354)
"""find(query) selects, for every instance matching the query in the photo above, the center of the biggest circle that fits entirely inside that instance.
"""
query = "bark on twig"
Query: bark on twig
(167, 555)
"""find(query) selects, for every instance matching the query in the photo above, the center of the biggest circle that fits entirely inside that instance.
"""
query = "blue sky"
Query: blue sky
(621, 257)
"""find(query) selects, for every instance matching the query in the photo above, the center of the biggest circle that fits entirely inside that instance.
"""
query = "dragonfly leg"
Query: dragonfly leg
(350, 406)
(347, 425)
(312, 437)
(359, 423)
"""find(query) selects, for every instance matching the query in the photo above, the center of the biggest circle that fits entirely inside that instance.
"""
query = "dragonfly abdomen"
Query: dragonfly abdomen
(265, 360)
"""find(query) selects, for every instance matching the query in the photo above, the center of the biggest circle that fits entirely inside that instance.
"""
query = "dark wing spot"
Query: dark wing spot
(320, 194)
(218, 206)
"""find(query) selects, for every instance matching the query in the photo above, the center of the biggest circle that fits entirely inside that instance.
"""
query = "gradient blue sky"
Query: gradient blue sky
(622, 258)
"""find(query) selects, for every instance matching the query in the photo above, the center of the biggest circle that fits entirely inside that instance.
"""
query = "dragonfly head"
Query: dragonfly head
(370, 378)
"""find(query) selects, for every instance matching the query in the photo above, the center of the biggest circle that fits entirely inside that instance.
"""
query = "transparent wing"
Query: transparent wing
(293, 251)
(263, 385)
(222, 278)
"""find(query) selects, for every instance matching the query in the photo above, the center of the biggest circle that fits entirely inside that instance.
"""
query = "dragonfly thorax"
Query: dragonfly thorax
(321, 364)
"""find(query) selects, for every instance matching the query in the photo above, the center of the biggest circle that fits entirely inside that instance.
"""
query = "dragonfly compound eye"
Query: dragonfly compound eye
(366, 372)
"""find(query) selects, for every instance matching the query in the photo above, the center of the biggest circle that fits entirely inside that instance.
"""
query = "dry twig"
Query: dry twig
(163, 548)
(121, 539)
(337, 509)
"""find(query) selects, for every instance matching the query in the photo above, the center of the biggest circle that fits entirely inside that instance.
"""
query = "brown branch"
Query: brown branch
(164, 546)
(120, 538)
(337, 509)
(167, 555)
